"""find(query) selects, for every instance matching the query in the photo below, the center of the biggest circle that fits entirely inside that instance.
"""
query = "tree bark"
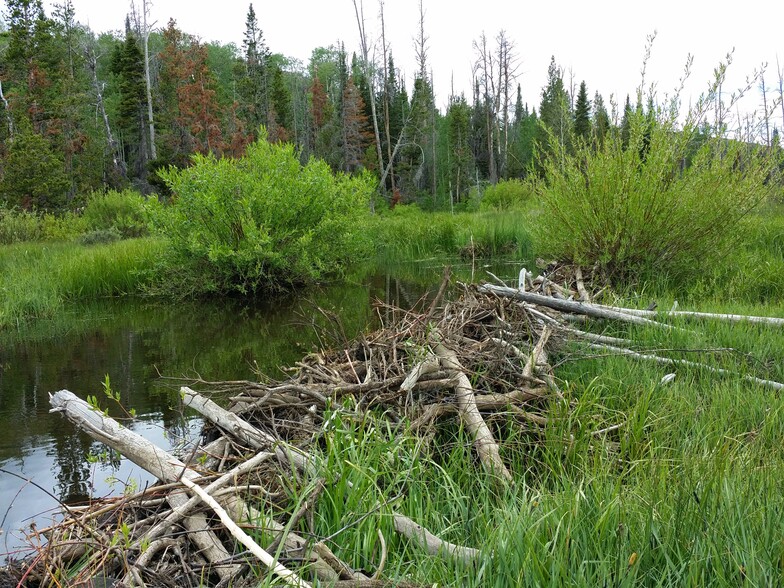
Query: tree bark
(150, 122)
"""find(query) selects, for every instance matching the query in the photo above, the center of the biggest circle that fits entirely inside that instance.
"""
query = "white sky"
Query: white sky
(601, 42)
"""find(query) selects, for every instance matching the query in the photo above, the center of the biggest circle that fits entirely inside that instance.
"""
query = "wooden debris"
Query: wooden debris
(483, 358)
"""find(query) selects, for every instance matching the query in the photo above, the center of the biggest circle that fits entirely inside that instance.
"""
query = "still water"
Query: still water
(43, 459)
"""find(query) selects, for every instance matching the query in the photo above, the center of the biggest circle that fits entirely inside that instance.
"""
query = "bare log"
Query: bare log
(432, 544)
(486, 446)
(538, 352)
(686, 362)
(155, 460)
(279, 570)
(427, 366)
(584, 297)
(583, 308)
(731, 318)
(245, 431)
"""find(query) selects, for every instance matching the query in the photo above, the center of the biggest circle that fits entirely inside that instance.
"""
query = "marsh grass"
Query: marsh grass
(36, 279)
(406, 233)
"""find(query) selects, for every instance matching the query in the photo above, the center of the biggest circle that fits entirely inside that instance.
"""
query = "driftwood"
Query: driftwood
(486, 446)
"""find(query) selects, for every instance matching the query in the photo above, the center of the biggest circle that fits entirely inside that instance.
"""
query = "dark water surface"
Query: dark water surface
(44, 459)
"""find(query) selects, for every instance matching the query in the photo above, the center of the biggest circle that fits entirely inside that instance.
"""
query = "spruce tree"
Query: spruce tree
(601, 120)
(582, 115)
(554, 111)
(626, 123)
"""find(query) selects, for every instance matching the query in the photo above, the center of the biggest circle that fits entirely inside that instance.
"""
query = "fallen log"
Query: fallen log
(244, 431)
(686, 362)
(433, 544)
(583, 308)
(731, 318)
(486, 446)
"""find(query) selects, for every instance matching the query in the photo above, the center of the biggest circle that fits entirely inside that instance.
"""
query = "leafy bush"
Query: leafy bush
(64, 227)
(506, 195)
(17, 226)
(660, 203)
(101, 236)
(262, 222)
(124, 211)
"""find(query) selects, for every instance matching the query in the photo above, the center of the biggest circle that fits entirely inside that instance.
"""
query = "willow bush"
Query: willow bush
(262, 222)
(666, 199)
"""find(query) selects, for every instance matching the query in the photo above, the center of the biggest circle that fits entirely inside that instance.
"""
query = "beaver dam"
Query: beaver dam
(243, 507)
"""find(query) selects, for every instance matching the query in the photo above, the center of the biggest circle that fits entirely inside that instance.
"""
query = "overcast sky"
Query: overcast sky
(601, 42)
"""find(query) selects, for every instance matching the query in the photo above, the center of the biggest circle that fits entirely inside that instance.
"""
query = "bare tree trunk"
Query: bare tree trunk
(485, 66)
(781, 92)
(390, 166)
(8, 117)
(111, 143)
(360, 14)
(146, 36)
(765, 111)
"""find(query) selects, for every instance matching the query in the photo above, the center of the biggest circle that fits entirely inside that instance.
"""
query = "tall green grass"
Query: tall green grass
(36, 279)
(406, 233)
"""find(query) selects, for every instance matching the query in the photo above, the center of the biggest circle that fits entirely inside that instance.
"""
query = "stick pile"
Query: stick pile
(483, 358)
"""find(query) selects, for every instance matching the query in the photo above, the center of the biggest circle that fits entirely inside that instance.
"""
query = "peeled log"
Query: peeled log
(155, 460)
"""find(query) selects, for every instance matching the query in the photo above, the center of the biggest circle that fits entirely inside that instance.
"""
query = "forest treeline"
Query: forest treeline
(86, 112)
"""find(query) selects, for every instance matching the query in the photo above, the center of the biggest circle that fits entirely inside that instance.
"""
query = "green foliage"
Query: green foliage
(630, 207)
(262, 222)
(17, 226)
(33, 176)
(125, 212)
(406, 233)
(507, 194)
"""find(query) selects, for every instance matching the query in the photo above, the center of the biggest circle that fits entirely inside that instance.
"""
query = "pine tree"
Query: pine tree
(460, 156)
(601, 120)
(33, 176)
(626, 123)
(582, 115)
(356, 130)
(128, 67)
(253, 85)
(554, 111)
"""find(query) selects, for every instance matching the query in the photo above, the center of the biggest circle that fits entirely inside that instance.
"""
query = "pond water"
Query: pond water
(43, 459)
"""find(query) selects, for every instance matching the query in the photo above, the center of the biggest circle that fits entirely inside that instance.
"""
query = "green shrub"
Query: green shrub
(17, 226)
(64, 227)
(262, 222)
(662, 203)
(124, 211)
(101, 236)
(506, 195)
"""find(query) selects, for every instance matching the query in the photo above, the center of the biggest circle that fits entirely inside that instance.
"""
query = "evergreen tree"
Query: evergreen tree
(253, 85)
(33, 176)
(356, 132)
(521, 145)
(128, 67)
(626, 123)
(554, 111)
(601, 120)
(460, 155)
(280, 116)
(582, 115)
